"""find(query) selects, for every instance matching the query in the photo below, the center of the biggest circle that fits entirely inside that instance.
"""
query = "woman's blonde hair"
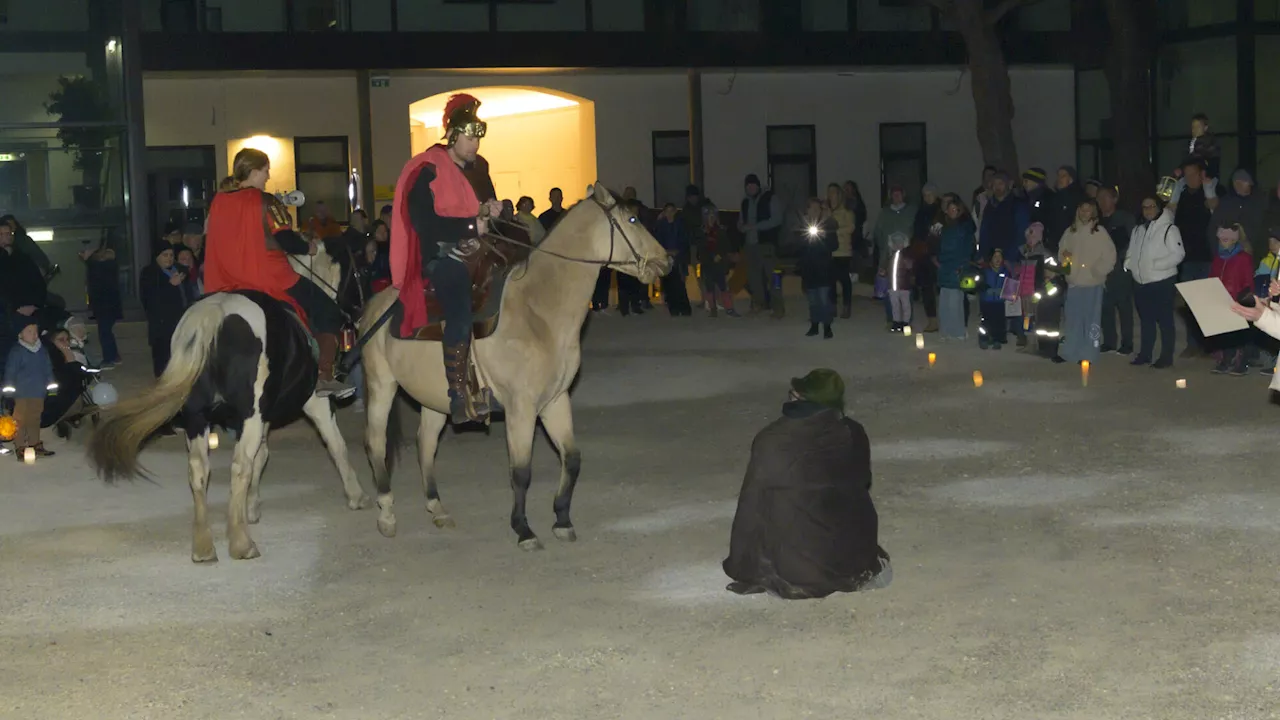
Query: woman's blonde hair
(245, 162)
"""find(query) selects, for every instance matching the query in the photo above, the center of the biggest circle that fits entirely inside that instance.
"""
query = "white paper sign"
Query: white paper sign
(1211, 305)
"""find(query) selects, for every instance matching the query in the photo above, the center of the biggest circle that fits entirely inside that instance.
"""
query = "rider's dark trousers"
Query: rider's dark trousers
(452, 284)
(323, 314)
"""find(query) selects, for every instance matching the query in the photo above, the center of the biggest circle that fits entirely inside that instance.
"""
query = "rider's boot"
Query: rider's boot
(326, 386)
(462, 407)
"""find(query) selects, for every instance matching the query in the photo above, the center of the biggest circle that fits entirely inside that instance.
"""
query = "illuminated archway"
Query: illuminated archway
(538, 139)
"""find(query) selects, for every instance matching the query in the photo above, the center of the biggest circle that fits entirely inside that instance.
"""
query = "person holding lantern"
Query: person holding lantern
(28, 378)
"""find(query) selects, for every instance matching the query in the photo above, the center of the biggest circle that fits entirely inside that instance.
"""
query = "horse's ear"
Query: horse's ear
(601, 193)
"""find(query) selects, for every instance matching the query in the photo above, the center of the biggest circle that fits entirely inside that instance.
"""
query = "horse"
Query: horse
(528, 362)
(244, 361)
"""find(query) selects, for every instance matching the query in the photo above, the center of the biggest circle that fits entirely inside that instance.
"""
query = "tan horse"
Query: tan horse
(528, 363)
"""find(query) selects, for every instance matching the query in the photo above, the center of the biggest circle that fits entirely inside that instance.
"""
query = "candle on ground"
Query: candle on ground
(29, 456)
(213, 441)
(1084, 373)
(933, 357)
(919, 342)
(1180, 383)
(977, 378)
(906, 331)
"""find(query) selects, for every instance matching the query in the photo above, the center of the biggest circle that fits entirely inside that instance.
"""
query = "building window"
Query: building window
(1196, 77)
(323, 172)
(793, 166)
(904, 158)
(723, 15)
(894, 16)
(671, 167)
(316, 15)
(181, 182)
(1183, 14)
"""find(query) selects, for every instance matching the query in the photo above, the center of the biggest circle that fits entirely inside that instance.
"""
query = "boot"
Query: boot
(813, 330)
(932, 325)
(462, 409)
(326, 386)
(846, 310)
(826, 332)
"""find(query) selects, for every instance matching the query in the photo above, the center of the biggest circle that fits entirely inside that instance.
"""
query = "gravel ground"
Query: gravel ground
(1059, 552)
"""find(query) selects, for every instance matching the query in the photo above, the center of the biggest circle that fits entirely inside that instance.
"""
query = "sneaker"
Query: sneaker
(732, 313)
(1104, 349)
(1162, 364)
(334, 389)
(1220, 368)
(1239, 369)
(813, 330)
(1140, 361)
(1125, 350)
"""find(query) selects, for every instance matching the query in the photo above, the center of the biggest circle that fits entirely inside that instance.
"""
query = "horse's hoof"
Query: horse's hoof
(359, 503)
(387, 527)
(253, 516)
(531, 544)
(247, 553)
(444, 521)
(204, 559)
(566, 534)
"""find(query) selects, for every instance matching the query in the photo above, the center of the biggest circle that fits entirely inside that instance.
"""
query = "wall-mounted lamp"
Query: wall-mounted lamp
(112, 45)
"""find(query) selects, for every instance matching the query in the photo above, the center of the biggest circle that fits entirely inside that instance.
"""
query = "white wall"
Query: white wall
(202, 110)
(628, 107)
(847, 109)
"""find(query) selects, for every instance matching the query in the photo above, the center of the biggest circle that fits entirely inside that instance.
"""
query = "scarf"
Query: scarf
(32, 347)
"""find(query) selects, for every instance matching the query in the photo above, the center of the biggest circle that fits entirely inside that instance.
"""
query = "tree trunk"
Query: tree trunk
(1128, 73)
(989, 79)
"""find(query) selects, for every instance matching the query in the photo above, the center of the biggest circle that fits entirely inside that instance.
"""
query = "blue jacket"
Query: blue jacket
(955, 253)
(28, 373)
(672, 235)
(1004, 226)
(993, 283)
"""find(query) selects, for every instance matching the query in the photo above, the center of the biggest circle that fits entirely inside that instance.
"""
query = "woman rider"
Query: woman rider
(250, 235)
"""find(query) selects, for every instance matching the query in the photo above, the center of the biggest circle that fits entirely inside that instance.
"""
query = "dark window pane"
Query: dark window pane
(248, 15)
(669, 182)
(547, 15)
(31, 16)
(893, 16)
(1180, 14)
(907, 172)
(29, 79)
(1093, 103)
(791, 140)
(441, 16)
(1196, 77)
(1268, 90)
(331, 187)
(1268, 162)
(315, 15)
(1044, 16)
(671, 147)
(371, 15)
(724, 15)
(792, 183)
(328, 153)
(1266, 11)
(618, 15)
(907, 138)
(824, 15)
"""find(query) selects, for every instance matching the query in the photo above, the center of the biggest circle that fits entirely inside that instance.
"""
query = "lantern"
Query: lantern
(8, 428)
(213, 441)
(977, 378)
(919, 342)
(29, 456)
(933, 358)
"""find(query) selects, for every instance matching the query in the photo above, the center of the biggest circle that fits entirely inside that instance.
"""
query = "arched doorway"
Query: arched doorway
(538, 139)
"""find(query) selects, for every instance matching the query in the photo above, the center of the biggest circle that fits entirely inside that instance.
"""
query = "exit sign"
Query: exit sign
(380, 81)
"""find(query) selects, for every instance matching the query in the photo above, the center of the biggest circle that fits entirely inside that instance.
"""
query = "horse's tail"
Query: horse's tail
(115, 443)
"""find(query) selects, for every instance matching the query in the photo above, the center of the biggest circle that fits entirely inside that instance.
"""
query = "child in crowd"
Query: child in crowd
(1233, 266)
(992, 331)
(713, 260)
(28, 378)
(1267, 272)
(1203, 147)
(901, 280)
(1030, 280)
(817, 240)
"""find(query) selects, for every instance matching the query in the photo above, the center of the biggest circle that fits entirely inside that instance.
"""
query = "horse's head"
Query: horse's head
(615, 235)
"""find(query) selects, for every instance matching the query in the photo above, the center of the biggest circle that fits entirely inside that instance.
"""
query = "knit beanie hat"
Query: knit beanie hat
(1094, 182)
(822, 386)
(1035, 233)
(1036, 174)
(1241, 175)
(751, 179)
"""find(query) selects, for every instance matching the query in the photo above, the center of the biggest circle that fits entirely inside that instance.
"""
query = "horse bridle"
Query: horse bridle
(615, 229)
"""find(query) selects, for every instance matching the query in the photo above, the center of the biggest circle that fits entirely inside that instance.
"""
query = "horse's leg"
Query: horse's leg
(429, 427)
(521, 421)
(557, 419)
(251, 440)
(320, 410)
(254, 509)
(202, 549)
(381, 390)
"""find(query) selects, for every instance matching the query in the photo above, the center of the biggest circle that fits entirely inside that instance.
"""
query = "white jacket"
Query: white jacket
(1155, 249)
(1269, 323)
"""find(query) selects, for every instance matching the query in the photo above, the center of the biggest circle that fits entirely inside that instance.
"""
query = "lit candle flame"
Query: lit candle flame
(933, 357)
(977, 378)
(1084, 373)
(213, 441)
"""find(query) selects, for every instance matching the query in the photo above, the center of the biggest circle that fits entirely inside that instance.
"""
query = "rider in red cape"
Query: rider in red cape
(435, 222)
(249, 233)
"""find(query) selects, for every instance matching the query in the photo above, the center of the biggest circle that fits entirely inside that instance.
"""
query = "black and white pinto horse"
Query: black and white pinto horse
(243, 361)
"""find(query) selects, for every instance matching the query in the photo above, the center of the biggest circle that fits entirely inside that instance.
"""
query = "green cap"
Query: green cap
(822, 386)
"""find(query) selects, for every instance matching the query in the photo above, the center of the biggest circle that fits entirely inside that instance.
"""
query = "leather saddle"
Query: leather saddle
(488, 267)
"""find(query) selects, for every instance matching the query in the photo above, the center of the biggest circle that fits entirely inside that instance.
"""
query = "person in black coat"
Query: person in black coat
(816, 240)
(805, 526)
(21, 283)
(1061, 207)
(162, 287)
(102, 278)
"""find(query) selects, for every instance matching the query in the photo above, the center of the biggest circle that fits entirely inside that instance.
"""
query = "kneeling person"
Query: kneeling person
(805, 525)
